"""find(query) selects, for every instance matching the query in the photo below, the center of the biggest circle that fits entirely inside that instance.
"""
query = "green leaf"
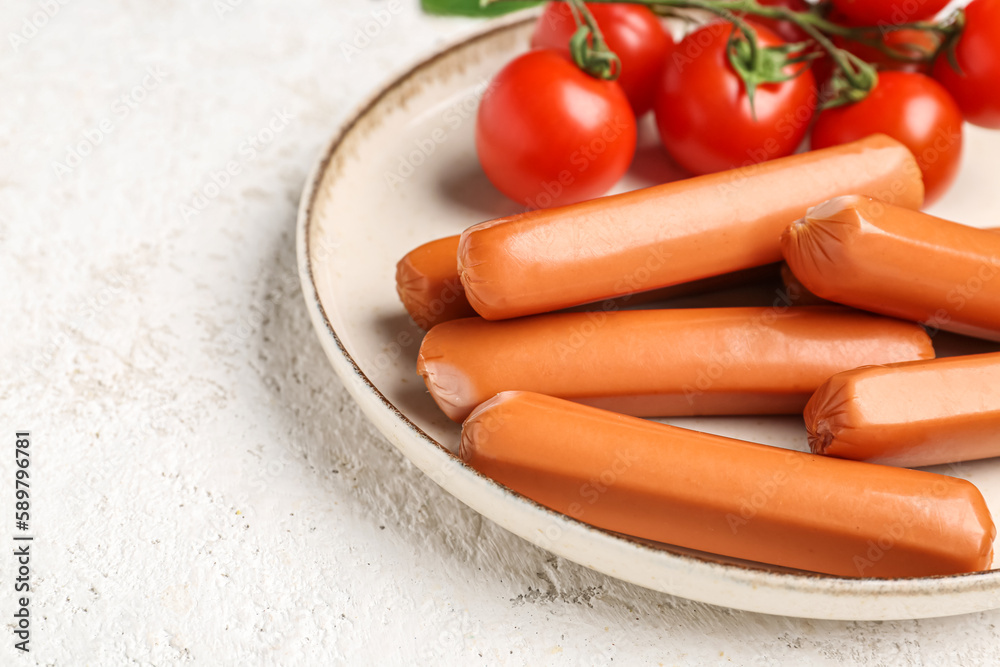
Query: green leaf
(472, 8)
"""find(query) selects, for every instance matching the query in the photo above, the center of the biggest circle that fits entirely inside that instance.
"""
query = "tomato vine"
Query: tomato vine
(853, 78)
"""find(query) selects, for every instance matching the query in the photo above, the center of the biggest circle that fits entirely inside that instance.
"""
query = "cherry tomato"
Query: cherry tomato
(633, 32)
(549, 134)
(704, 114)
(913, 109)
(786, 30)
(978, 91)
(894, 12)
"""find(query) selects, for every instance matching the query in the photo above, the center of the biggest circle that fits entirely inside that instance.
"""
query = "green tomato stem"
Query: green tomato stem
(589, 50)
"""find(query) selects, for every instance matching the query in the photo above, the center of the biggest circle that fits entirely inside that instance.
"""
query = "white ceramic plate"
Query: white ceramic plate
(403, 171)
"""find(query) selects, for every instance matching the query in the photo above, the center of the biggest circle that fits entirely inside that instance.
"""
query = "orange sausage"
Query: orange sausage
(667, 362)
(726, 496)
(864, 253)
(554, 258)
(427, 283)
(800, 296)
(918, 413)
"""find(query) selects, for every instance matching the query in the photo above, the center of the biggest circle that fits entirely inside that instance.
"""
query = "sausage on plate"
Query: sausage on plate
(911, 414)
(427, 283)
(864, 253)
(726, 496)
(669, 362)
(551, 259)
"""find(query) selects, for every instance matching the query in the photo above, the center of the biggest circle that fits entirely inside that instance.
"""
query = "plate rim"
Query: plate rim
(810, 587)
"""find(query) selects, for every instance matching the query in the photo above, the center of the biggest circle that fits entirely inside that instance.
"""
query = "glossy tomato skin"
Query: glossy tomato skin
(633, 32)
(978, 51)
(549, 134)
(703, 110)
(915, 110)
(893, 12)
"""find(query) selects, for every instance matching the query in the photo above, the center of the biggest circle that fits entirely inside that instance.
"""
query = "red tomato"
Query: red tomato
(894, 12)
(978, 91)
(911, 108)
(633, 32)
(703, 111)
(549, 134)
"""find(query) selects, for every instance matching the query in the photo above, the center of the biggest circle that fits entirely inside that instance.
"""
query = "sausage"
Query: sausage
(912, 414)
(861, 252)
(428, 284)
(669, 362)
(668, 234)
(729, 497)
(800, 296)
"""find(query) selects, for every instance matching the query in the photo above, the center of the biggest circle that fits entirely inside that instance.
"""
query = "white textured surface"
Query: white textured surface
(205, 490)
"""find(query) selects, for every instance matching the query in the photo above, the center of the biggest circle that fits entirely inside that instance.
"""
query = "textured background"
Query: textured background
(205, 490)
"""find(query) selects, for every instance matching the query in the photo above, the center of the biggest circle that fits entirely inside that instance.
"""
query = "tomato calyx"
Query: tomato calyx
(758, 65)
(587, 46)
(852, 82)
